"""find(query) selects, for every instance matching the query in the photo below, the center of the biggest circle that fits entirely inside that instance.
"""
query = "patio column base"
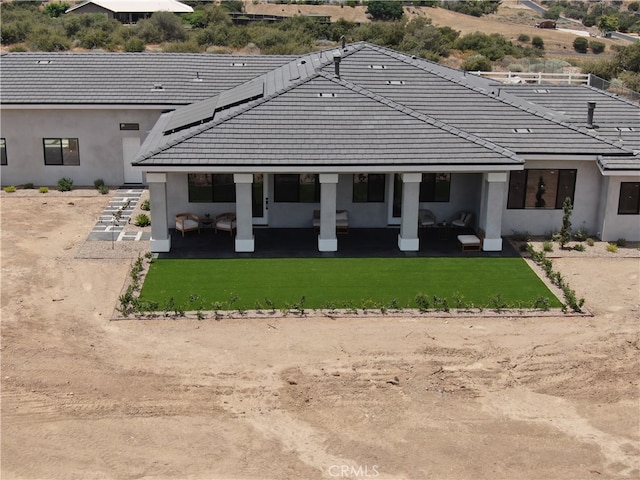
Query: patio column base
(328, 244)
(408, 244)
(160, 245)
(245, 244)
(492, 245)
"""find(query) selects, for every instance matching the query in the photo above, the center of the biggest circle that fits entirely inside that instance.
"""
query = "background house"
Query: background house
(364, 129)
(130, 11)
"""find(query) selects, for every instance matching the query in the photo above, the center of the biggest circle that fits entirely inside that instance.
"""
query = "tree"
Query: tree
(385, 9)
(537, 42)
(608, 23)
(565, 230)
(56, 9)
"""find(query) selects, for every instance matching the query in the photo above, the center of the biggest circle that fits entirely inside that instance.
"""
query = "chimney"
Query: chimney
(591, 106)
(337, 56)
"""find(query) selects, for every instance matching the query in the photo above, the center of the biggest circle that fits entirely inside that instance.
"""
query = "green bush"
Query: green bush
(597, 47)
(537, 42)
(98, 183)
(43, 189)
(55, 9)
(384, 10)
(146, 206)
(523, 37)
(65, 185)
(142, 220)
(579, 247)
(581, 44)
(612, 248)
(477, 63)
(10, 188)
(621, 242)
(28, 186)
(590, 242)
(103, 189)
(134, 44)
(547, 246)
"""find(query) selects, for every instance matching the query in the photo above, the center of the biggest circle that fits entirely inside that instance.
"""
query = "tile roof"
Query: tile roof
(100, 78)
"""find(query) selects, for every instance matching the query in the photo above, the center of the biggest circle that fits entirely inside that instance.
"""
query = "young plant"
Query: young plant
(565, 230)
(10, 188)
(142, 220)
(547, 246)
(65, 185)
(43, 189)
(146, 206)
(103, 189)
(612, 247)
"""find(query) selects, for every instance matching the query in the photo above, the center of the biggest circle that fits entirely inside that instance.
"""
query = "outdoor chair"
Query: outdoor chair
(187, 222)
(342, 221)
(463, 220)
(225, 222)
(426, 218)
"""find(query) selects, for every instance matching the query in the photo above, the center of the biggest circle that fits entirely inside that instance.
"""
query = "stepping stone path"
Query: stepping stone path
(117, 214)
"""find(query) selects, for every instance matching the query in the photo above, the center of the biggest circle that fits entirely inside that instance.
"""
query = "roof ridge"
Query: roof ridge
(423, 117)
(415, 62)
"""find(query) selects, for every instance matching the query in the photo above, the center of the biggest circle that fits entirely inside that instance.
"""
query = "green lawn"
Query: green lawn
(342, 282)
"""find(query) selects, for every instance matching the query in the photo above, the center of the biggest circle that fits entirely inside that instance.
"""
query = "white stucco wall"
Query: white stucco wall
(99, 137)
(616, 226)
(589, 183)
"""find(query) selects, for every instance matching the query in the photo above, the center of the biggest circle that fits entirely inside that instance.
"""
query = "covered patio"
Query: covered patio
(303, 243)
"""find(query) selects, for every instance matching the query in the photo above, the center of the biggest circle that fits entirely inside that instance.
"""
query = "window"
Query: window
(61, 151)
(302, 188)
(129, 126)
(3, 151)
(540, 188)
(435, 187)
(368, 187)
(207, 188)
(629, 203)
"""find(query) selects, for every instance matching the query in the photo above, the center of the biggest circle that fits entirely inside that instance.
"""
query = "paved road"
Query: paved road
(537, 8)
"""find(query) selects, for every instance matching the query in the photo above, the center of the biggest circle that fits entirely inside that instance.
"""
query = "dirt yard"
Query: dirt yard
(84, 397)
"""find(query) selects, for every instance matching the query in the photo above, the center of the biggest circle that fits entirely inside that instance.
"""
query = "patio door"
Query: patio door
(260, 199)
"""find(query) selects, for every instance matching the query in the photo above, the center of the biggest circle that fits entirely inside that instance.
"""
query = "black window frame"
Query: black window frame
(294, 188)
(523, 184)
(3, 151)
(435, 187)
(211, 188)
(374, 186)
(70, 158)
(634, 203)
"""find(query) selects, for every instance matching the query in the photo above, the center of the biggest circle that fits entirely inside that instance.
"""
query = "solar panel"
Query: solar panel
(191, 115)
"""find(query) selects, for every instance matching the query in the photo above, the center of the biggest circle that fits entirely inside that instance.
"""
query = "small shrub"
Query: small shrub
(65, 185)
(98, 183)
(579, 247)
(521, 236)
(547, 246)
(146, 206)
(523, 37)
(423, 302)
(590, 242)
(621, 242)
(28, 186)
(142, 220)
(43, 189)
(612, 247)
(538, 43)
(10, 188)
(103, 189)
(597, 47)
(581, 234)
(524, 247)
(581, 44)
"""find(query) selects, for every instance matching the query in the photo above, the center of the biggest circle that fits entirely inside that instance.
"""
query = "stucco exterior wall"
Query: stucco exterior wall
(92, 8)
(99, 137)
(589, 183)
(616, 226)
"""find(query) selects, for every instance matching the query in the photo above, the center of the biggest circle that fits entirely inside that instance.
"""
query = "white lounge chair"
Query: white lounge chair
(426, 218)
(187, 222)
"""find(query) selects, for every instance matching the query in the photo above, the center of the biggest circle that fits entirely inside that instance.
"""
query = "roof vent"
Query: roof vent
(337, 56)
(157, 87)
(522, 130)
(197, 79)
(542, 90)
(395, 82)
(238, 64)
(43, 62)
(323, 95)
(377, 67)
(591, 107)
(625, 129)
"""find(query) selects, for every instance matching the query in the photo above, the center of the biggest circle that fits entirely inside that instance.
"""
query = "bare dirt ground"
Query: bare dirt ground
(84, 397)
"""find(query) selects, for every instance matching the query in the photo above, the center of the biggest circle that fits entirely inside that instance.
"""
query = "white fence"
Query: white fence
(532, 77)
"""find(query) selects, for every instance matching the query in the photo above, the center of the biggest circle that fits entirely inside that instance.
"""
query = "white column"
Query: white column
(327, 240)
(245, 241)
(408, 238)
(491, 208)
(160, 239)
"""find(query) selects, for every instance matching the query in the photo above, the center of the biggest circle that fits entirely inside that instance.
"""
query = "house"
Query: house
(362, 129)
(128, 11)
